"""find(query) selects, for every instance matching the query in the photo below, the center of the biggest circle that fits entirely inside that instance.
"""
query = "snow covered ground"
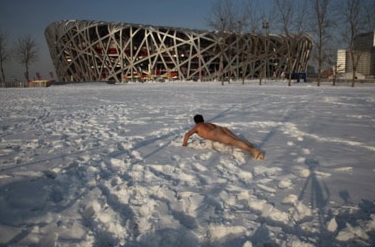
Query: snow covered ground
(102, 165)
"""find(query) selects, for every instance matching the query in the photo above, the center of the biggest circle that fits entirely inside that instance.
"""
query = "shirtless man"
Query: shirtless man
(217, 133)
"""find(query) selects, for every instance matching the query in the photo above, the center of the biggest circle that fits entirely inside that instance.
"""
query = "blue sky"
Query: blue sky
(30, 17)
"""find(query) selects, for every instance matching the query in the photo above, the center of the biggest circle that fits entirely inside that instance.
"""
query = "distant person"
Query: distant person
(220, 134)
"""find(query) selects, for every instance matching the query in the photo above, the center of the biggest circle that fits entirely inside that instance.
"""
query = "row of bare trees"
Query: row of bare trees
(327, 21)
(24, 52)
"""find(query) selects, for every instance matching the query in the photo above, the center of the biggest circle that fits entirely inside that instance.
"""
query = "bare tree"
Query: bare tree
(284, 15)
(321, 25)
(352, 15)
(291, 17)
(26, 53)
(4, 52)
(225, 19)
(243, 18)
(268, 20)
(250, 19)
(223, 16)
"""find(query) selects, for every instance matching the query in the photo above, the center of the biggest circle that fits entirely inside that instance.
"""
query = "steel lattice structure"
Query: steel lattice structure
(94, 50)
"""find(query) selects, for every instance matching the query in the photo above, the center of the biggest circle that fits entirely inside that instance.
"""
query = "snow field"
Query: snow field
(103, 165)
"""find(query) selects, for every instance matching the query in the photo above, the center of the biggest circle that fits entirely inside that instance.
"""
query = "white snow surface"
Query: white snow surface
(102, 165)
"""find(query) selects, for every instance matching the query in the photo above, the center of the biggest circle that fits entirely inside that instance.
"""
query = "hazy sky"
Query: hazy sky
(19, 18)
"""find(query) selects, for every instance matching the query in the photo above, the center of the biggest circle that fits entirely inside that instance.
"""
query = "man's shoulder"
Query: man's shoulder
(202, 125)
(205, 126)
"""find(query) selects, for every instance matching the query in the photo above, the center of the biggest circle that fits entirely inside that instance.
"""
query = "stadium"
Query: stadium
(84, 50)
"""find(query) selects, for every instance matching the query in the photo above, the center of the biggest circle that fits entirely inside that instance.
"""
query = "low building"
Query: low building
(364, 50)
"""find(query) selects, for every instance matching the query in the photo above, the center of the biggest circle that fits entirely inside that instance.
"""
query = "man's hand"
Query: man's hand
(187, 136)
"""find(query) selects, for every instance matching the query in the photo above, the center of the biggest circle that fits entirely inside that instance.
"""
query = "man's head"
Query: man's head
(198, 119)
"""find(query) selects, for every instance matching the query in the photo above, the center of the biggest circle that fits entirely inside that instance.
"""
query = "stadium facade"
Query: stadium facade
(84, 50)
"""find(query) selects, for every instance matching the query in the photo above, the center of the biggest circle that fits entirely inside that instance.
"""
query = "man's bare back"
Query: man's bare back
(221, 134)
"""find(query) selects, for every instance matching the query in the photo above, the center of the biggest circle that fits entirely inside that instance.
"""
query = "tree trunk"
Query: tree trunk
(353, 78)
(27, 72)
(2, 72)
(319, 72)
(334, 76)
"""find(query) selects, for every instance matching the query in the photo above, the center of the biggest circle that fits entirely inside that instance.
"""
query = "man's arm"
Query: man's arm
(188, 134)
